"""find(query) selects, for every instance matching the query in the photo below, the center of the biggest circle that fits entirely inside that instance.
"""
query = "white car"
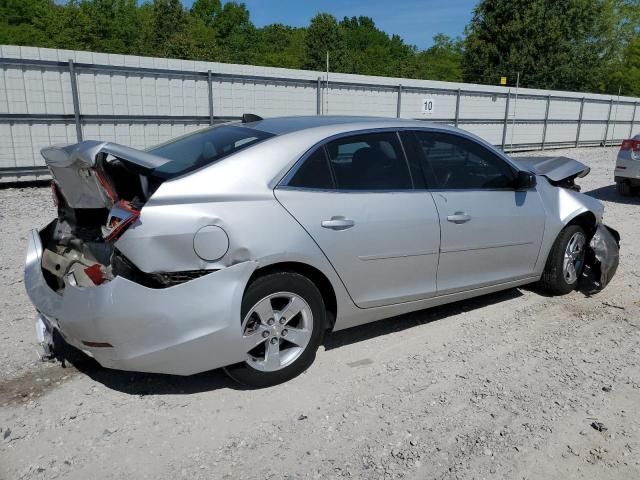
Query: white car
(627, 172)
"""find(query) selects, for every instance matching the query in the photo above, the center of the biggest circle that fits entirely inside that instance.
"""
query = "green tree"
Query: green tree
(196, 41)
(206, 10)
(26, 22)
(235, 33)
(626, 76)
(441, 61)
(324, 34)
(560, 44)
(278, 45)
(168, 20)
(107, 25)
(370, 51)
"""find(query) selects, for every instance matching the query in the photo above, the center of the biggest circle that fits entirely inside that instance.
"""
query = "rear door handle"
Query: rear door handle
(459, 217)
(338, 223)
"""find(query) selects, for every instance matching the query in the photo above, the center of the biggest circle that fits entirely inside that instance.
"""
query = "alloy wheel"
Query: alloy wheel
(574, 257)
(276, 331)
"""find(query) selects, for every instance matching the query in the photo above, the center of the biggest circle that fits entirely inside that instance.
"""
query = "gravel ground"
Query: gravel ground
(503, 386)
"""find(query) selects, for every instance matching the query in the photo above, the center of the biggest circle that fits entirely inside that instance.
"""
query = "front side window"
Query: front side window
(372, 161)
(461, 163)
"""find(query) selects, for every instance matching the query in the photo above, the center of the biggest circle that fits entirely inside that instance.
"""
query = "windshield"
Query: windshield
(204, 147)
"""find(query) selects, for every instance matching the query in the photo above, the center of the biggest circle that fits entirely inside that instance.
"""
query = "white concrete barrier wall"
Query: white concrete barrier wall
(141, 101)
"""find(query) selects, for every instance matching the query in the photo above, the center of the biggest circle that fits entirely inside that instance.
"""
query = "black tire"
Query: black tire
(553, 280)
(262, 287)
(623, 188)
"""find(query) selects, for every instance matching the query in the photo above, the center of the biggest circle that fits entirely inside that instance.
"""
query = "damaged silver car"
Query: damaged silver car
(241, 245)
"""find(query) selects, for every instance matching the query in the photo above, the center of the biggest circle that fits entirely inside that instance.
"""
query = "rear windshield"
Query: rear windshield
(204, 147)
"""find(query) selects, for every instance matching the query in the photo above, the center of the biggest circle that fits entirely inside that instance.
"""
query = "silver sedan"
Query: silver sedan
(242, 245)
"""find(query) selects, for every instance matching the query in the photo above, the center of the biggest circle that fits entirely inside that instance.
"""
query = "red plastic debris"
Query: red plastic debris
(94, 272)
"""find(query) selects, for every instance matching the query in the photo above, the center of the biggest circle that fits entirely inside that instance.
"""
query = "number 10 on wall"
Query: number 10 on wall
(428, 106)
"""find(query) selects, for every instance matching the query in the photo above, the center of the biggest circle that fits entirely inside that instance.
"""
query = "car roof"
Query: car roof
(284, 125)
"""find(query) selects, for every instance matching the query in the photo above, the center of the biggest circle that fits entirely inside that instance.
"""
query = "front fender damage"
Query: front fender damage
(603, 256)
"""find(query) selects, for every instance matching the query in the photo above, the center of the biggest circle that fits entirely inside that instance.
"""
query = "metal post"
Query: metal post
(506, 120)
(399, 105)
(210, 82)
(579, 122)
(615, 118)
(546, 121)
(326, 93)
(76, 99)
(515, 108)
(319, 96)
(606, 130)
(457, 108)
(633, 119)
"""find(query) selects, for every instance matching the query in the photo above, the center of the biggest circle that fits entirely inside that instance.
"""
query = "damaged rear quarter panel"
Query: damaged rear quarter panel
(257, 226)
(223, 195)
(162, 240)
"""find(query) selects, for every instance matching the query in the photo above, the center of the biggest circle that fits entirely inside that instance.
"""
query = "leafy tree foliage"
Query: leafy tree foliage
(441, 61)
(325, 35)
(567, 44)
(563, 44)
(625, 76)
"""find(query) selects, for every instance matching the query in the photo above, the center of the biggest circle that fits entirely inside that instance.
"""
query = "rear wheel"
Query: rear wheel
(623, 188)
(565, 262)
(283, 319)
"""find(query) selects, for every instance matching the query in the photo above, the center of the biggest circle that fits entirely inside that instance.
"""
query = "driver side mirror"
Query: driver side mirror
(525, 180)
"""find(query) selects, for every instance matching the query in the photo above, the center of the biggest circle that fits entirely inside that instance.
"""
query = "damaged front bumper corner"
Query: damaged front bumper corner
(182, 330)
(605, 254)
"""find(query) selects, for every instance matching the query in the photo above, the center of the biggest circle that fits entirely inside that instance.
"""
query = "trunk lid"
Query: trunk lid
(83, 173)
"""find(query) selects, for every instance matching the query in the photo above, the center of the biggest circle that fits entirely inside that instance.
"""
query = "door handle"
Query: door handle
(458, 218)
(338, 223)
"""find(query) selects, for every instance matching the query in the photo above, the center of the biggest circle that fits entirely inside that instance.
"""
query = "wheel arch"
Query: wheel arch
(587, 220)
(583, 218)
(319, 279)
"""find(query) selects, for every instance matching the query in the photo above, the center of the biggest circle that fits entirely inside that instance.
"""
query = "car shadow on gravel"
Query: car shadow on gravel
(413, 319)
(134, 383)
(610, 194)
(138, 383)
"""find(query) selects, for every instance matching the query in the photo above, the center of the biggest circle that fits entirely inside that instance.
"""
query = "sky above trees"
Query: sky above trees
(416, 21)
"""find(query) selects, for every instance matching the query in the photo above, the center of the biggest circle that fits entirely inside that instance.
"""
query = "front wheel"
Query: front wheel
(283, 319)
(565, 262)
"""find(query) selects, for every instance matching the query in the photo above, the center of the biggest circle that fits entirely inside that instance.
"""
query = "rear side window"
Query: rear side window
(460, 163)
(314, 172)
(372, 161)
(204, 147)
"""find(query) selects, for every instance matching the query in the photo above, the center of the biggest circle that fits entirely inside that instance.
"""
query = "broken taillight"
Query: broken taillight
(121, 216)
(631, 144)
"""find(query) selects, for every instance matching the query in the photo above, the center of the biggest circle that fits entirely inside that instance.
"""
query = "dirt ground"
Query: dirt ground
(503, 386)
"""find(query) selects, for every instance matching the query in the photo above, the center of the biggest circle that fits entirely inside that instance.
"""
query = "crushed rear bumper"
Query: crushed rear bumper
(181, 330)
